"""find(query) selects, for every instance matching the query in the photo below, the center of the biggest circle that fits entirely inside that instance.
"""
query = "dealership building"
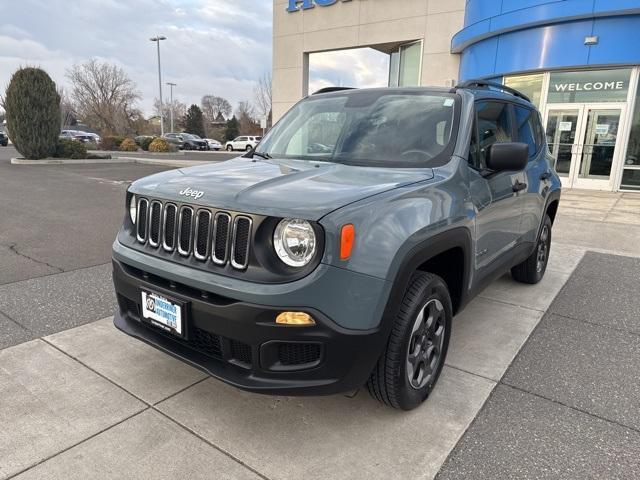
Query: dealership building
(578, 61)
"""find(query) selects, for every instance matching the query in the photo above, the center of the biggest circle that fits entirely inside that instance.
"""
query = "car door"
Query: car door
(495, 195)
(537, 173)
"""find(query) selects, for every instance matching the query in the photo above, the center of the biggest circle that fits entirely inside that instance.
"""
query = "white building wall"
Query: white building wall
(361, 23)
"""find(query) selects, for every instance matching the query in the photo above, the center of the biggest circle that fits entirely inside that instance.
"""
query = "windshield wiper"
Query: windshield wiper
(265, 155)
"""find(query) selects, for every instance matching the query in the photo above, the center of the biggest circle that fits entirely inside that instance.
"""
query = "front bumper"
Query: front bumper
(239, 343)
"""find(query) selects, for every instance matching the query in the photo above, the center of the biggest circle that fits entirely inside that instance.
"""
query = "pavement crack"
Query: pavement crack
(571, 407)
(14, 248)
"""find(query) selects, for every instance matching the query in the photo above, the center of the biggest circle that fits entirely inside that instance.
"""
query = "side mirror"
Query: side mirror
(502, 157)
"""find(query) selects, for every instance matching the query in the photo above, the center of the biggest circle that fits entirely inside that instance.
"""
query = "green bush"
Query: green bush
(70, 149)
(32, 107)
(159, 145)
(111, 142)
(145, 142)
(128, 145)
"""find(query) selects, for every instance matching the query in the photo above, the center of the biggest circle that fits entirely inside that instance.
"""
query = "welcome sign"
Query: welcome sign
(589, 86)
(296, 5)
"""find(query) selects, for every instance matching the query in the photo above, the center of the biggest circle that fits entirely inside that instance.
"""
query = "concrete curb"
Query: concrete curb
(120, 152)
(97, 161)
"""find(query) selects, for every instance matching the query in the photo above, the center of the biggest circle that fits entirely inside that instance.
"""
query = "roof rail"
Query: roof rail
(332, 89)
(488, 85)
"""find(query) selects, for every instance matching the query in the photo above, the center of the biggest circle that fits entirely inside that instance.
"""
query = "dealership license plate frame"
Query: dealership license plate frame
(153, 318)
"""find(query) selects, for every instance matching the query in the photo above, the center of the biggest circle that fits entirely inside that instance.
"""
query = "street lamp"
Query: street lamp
(158, 39)
(171, 85)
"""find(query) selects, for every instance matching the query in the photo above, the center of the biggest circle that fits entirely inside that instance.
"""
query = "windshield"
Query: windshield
(375, 127)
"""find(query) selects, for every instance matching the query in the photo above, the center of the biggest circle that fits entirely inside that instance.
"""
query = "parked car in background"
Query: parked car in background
(243, 143)
(67, 135)
(4, 139)
(174, 139)
(94, 137)
(84, 137)
(198, 138)
(213, 144)
(193, 142)
(186, 141)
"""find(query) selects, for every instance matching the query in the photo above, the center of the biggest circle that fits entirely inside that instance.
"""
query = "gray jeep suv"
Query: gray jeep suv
(338, 251)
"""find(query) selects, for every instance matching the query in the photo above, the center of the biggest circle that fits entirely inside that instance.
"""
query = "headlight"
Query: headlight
(133, 209)
(295, 242)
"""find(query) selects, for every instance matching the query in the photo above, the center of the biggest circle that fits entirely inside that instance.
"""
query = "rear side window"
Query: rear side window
(525, 126)
(494, 126)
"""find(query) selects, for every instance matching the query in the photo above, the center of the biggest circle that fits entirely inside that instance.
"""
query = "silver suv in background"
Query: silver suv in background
(242, 143)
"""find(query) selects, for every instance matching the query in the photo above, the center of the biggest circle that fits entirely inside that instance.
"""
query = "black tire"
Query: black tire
(229, 148)
(395, 380)
(249, 148)
(186, 147)
(533, 268)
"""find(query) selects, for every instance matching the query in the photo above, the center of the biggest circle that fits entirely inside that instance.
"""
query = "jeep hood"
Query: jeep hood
(282, 188)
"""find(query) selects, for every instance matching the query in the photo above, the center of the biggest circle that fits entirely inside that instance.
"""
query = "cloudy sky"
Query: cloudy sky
(215, 47)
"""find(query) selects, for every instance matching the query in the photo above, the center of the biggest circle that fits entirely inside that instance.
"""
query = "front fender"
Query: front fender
(390, 225)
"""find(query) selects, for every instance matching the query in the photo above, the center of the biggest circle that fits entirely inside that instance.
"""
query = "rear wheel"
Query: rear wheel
(410, 366)
(249, 148)
(186, 146)
(229, 148)
(533, 268)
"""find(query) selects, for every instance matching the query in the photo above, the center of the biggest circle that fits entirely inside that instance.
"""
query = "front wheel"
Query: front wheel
(229, 148)
(410, 366)
(533, 268)
(249, 148)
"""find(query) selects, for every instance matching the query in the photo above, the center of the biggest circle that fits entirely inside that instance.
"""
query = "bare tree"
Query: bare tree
(67, 113)
(263, 98)
(246, 118)
(215, 107)
(103, 95)
(179, 112)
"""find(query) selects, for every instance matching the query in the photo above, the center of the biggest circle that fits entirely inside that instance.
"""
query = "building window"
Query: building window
(405, 65)
(589, 86)
(530, 85)
(631, 172)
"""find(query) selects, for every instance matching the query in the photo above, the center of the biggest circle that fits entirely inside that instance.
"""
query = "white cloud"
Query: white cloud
(360, 67)
(213, 46)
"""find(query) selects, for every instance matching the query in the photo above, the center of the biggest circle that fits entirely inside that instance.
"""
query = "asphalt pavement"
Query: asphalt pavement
(57, 226)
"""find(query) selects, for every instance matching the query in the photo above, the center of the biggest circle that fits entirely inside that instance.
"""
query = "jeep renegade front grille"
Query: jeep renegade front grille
(200, 233)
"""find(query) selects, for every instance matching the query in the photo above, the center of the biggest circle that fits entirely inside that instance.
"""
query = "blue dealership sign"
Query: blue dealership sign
(295, 5)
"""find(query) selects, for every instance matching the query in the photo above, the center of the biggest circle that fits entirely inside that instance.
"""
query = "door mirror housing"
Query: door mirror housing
(511, 156)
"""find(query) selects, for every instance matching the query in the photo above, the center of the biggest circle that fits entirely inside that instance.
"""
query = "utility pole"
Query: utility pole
(171, 85)
(158, 39)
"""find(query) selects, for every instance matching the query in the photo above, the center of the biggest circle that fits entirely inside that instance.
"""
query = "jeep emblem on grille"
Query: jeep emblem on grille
(187, 192)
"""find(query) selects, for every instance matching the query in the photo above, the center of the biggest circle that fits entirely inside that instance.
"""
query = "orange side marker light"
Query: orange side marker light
(347, 239)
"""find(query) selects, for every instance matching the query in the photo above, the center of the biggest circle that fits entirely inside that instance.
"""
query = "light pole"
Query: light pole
(158, 39)
(171, 85)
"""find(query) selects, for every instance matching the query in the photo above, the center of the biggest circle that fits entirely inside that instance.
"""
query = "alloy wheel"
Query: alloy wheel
(543, 249)
(425, 345)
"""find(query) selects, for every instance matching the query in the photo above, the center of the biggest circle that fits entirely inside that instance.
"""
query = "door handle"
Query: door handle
(518, 186)
(545, 176)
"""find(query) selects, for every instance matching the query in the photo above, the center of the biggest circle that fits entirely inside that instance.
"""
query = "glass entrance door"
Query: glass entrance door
(562, 129)
(584, 140)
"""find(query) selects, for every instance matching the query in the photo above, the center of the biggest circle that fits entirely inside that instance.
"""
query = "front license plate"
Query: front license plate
(163, 312)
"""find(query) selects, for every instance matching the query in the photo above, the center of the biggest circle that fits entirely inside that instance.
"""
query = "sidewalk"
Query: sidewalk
(90, 402)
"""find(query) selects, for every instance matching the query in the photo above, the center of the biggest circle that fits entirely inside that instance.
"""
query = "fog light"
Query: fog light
(295, 318)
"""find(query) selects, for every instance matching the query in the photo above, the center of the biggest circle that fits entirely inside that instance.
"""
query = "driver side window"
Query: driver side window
(494, 126)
